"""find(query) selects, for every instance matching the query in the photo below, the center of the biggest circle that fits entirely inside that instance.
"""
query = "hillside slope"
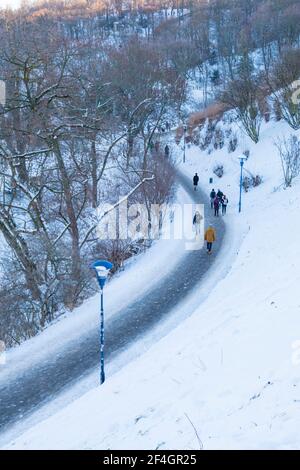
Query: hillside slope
(232, 369)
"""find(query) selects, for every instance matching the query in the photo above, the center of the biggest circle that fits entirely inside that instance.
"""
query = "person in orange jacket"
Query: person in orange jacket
(210, 238)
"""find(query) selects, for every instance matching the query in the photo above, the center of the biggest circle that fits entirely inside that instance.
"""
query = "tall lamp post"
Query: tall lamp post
(184, 140)
(242, 161)
(102, 268)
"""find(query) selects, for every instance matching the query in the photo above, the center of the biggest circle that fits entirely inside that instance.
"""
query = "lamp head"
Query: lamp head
(102, 268)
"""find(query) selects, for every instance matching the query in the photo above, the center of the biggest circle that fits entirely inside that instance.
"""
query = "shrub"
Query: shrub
(251, 182)
(219, 170)
(289, 152)
(219, 139)
(233, 143)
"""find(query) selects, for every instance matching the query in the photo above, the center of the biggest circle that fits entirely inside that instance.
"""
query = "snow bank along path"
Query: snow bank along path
(27, 388)
(232, 368)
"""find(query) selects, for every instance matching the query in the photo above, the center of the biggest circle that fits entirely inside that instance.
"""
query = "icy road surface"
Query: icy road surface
(37, 385)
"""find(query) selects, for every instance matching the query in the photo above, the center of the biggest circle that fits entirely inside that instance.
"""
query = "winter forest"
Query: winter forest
(149, 220)
(89, 86)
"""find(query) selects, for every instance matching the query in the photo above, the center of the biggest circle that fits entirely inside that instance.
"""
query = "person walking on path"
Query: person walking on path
(220, 195)
(224, 204)
(195, 181)
(212, 198)
(197, 223)
(210, 238)
(167, 151)
(217, 206)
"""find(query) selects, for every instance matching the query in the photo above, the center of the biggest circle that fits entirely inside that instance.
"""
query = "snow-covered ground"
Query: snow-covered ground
(139, 276)
(231, 370)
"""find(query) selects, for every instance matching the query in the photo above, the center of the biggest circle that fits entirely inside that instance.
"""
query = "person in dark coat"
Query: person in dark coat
(220, 195)
(217, 206)
(212, 198)
(196, 181)
(167, 151)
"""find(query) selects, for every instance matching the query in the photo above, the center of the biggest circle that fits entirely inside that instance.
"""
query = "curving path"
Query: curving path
(46, 380)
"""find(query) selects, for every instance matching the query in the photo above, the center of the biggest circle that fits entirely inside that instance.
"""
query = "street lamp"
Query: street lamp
(102, 268)
(242, 161)
(184, 137)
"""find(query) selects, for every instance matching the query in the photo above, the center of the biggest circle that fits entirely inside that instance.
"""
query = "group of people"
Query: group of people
(156, 147)
(165, 127)
(218, 200)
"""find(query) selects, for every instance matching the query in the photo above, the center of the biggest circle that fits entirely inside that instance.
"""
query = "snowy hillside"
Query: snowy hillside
(228, 376)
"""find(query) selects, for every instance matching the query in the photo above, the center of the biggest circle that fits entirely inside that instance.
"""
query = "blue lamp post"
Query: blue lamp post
(242, 161)
(102, 268)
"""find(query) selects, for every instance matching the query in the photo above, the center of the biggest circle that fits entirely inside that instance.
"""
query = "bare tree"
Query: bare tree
(243, 95)
(285, 75)
(289, 152)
